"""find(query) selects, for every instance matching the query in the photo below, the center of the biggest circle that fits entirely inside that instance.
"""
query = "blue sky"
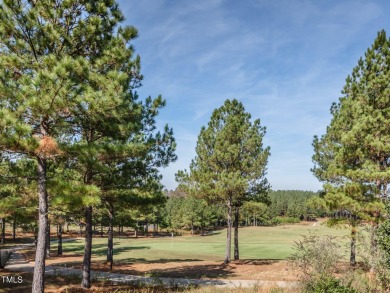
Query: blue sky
(285, 60)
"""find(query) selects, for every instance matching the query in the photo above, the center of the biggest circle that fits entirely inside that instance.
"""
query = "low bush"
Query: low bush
(286, 220)
(316, 257)
(4, 257)
(329, 285)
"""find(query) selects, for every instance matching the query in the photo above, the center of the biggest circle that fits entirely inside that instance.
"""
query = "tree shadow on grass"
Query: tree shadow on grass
(256, 262)
(101, 249)
(212, 233)
(151, 261)
(195, 271)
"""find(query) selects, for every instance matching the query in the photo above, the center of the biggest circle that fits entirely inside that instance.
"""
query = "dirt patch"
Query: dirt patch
(256, 270)
(265, 270)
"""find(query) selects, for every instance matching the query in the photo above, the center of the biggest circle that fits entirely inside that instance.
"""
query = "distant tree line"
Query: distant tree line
(183, 211)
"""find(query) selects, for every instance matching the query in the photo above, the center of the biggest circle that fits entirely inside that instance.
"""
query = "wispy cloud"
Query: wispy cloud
(285, 60)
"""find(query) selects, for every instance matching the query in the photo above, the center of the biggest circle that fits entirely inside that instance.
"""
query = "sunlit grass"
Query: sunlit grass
(254, 242)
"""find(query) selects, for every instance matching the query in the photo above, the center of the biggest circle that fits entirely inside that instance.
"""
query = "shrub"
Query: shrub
(316, 256)
(4, 257)
(329, 285)
(286, 220)
(376, 261)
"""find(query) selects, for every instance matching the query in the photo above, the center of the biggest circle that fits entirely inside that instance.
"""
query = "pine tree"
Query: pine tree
(230, 165)
(352, 158)
(58, 57)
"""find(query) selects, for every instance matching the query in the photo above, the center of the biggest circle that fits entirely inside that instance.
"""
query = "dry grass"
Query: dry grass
(71, 284)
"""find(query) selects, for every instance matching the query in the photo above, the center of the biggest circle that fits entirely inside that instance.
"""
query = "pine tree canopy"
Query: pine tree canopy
(231, 160)
(353, 156)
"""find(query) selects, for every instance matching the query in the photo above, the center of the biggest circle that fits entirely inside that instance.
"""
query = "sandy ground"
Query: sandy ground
(267, 270)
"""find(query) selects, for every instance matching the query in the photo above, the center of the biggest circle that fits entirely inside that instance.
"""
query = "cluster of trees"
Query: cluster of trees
(184, 211)
(72, 129)
(352, 158)
(78, 144)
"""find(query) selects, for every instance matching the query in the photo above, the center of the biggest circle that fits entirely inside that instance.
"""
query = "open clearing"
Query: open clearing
(263, 251)
(255, 243)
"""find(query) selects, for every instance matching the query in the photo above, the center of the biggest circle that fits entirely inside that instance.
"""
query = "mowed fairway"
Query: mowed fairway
(254, 242)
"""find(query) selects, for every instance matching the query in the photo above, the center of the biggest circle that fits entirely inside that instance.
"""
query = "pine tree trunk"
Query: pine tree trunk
(147, 229)
(236, 222)
(192, 228)
(86, 282)
(14, 229)
(373, 244)
(59, 248)
(228, 232)
(48, 240)
(110, 237)
(352, 259)
(373, 241)
(101, 229)
(2, 230)
(40, 255)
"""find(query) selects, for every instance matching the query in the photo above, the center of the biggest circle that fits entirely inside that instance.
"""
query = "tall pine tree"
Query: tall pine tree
(353, 157)
(230, 165)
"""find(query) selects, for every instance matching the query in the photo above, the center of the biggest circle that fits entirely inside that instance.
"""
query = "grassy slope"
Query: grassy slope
(255, 243)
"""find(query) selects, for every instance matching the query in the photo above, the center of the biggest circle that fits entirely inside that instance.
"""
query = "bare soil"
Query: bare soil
(265, 270)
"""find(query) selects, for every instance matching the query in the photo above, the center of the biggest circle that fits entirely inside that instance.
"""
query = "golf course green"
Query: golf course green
(254, 243)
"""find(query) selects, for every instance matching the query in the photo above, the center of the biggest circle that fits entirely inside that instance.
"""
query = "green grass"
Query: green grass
(254, 242)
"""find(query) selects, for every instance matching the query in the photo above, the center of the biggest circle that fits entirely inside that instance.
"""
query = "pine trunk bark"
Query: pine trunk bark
(86, 282)
(59, 248)
(110, 237)
(48, 240)
(352, 258)
(228, 232)
(2, 230)
(38, 284)
(147, 229)
(236, 222)
(373, 244)
(14, 229)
